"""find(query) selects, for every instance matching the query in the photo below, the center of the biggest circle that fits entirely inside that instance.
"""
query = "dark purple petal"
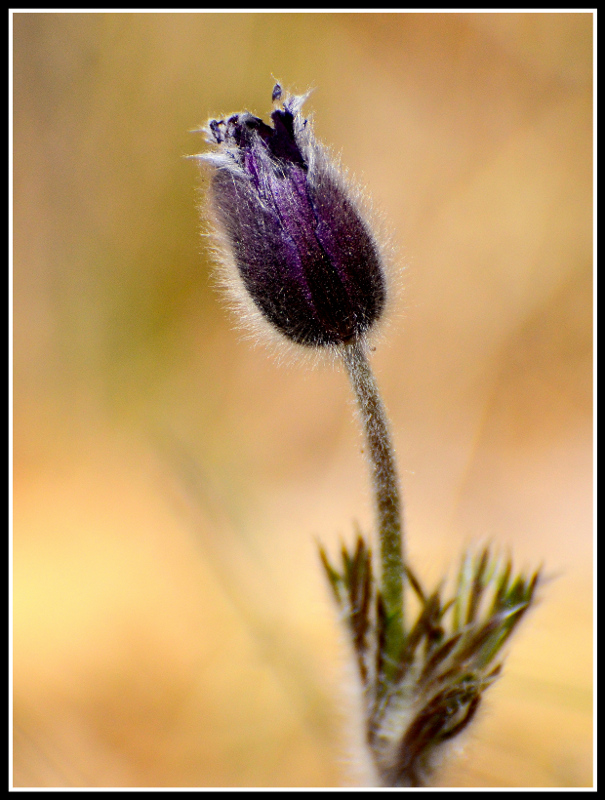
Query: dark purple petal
(304, 254)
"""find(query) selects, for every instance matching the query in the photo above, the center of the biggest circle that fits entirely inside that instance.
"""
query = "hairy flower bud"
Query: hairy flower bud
(307, 259)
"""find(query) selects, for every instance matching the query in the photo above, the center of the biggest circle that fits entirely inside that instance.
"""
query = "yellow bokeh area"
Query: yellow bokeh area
(171, 623)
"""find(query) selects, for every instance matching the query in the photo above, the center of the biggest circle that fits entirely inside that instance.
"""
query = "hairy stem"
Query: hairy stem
(387, 496)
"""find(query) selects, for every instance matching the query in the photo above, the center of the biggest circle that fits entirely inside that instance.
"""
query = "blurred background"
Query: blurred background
(171, 479)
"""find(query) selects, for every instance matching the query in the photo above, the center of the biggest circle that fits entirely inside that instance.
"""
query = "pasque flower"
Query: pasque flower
(305, 255)
(309, 263)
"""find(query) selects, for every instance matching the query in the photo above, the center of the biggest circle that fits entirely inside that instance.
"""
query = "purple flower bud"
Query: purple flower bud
(302, 250)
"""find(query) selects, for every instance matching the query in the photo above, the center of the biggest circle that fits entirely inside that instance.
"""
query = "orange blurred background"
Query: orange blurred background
(171, 623)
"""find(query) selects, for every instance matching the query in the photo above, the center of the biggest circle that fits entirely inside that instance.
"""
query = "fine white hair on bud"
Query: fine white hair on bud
(291, 228)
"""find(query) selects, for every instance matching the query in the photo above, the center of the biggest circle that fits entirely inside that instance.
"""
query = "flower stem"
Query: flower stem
(387, 495)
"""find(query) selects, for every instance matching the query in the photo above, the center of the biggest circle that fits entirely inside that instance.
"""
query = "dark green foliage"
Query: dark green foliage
(448, 658)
